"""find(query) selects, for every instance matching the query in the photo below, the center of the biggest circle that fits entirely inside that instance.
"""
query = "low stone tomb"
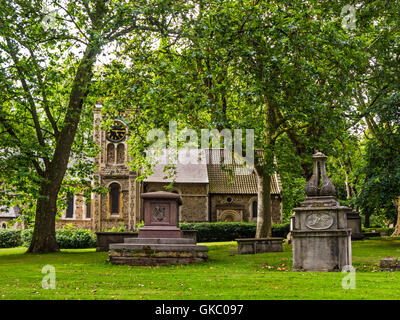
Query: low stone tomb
(390, 264)
(104, 239)
(259, 245)
(160, 240)
(157, 251)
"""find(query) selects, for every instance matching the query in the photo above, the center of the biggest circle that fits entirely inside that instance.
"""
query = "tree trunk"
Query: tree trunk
(264, 167)
(366, 221)
(44, 235)
(396, 232)
(264, 212)
(44, 239)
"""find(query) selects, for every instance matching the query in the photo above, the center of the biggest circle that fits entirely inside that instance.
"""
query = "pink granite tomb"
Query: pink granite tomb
(161, 215)
(160, 240)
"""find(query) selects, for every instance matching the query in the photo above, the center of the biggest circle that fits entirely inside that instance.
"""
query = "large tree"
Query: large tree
(279, 67)
(48, 52)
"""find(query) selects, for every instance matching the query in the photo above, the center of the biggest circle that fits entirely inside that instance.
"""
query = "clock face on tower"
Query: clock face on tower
(117, 132)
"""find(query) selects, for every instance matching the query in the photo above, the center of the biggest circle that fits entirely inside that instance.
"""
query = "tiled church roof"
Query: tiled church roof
(225, 179)
(193, 171)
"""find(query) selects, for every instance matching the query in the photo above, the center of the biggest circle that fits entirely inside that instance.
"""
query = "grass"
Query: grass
(86, 274)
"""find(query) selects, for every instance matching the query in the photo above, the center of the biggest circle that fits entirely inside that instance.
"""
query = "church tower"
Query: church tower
(120, 206)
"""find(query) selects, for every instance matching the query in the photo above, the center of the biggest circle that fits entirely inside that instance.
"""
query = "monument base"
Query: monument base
(390, 264)
(321, 250)
(157, 251)
(160, 232)
(259, 245)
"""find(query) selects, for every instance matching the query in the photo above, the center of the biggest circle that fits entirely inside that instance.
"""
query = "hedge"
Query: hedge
(382, 231)
(229, 231)
(10, 238)
(66, 238)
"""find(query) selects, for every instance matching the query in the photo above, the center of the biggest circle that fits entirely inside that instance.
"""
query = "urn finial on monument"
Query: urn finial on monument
(319, 189)
(313, 187)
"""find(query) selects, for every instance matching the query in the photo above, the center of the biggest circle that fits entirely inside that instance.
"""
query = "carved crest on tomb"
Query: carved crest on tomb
(319, 221)
(160, 213)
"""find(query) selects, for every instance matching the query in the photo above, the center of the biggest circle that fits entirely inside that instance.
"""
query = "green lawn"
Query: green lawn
(86, 274)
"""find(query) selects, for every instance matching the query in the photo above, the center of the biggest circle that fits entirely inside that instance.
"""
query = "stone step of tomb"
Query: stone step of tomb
(160, 240)
(156, 247)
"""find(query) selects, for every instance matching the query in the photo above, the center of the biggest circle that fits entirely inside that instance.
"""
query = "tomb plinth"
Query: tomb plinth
(160, 240)
(161, 215)
(321, 237)
(354, 223)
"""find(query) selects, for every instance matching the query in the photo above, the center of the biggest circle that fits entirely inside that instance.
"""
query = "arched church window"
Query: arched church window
(88, 210)
(70, 206)
(114, 198)
(121, 153)
(254, 209)
(110, 153)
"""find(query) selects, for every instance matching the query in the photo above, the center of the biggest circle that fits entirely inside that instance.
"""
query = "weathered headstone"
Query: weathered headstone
(320, 235)
(160, 240)
(354, 223)
(390, 264)
(259, 245)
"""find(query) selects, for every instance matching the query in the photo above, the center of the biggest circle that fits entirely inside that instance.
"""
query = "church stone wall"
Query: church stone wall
(242, 203)
(79, 219)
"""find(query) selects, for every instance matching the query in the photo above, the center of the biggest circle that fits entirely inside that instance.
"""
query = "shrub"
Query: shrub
(26, 236)
(74, 239)
(121, 228)
(67, 238)
(10, 238)
(229, 231)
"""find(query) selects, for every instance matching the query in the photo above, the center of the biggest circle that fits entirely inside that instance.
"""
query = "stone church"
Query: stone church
(209, 192)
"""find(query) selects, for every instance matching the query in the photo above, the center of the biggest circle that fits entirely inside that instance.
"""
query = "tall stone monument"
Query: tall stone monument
(321, 237)
(160, 240)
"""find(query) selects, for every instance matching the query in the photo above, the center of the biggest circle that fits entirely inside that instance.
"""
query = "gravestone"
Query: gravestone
(390, 264)
(320, 235)
(354, 223)
(160, 240)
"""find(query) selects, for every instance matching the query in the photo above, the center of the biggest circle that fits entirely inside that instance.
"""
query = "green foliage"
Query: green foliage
(228, 231)
(121, 228)
(74, 239)
(139, 225)
(382, 169)
(26, 236)
(282, 68)
(68, 238)
(382, 231)
(10, 238)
